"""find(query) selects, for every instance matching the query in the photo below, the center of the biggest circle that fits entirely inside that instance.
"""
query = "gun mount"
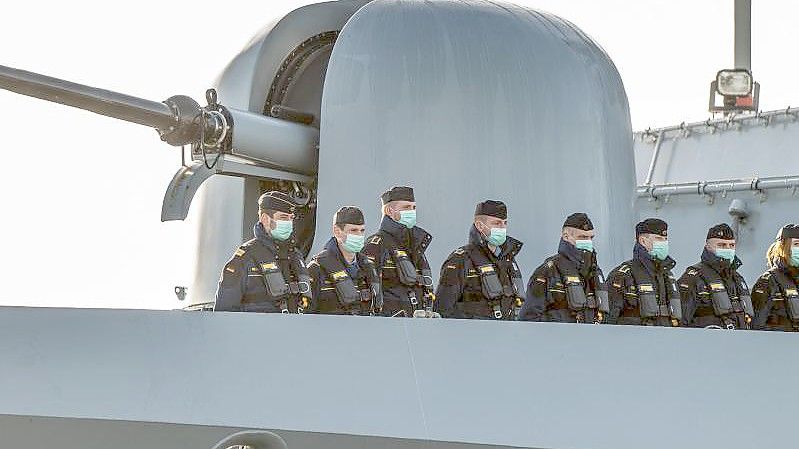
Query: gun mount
(223, 140)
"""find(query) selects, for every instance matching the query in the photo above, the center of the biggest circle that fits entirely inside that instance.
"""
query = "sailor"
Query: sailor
(481, 279)
(776, 293)
(398, 252)
(267, 273)
(643, 290)
(569, 286)
(343, 280)
(713, 293)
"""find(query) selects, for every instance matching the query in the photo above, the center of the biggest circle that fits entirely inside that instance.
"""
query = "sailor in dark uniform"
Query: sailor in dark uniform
(775, 295)
(398, 252)
(643, 290)
(267, 273)
(569, 287)
(713, 293)
(481, 279)
(343, 280)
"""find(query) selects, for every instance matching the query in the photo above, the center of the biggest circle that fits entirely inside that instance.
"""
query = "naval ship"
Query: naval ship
(417, 92)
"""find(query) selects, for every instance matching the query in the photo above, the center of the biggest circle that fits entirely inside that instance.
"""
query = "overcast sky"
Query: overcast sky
(82, 193)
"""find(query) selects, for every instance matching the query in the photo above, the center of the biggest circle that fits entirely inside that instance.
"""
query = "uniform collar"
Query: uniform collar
(642, 255)
(719, 264)
(332, 247)
(510, 248)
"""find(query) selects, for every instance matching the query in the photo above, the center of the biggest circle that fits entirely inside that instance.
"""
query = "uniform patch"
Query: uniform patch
(550, 264)
(459, 251)
(254, 269)
(685, 286)
(617, 285)
(486, 269)
(240, 252)
(375, 240)
(268, 266)
(400, 253)
(624, 269)
(541, 280)
(692, 272)
(339, 275)
(572, 279)
(790, 292)
(717, 286)
(452, 267)
(646, 288)
(230, 269)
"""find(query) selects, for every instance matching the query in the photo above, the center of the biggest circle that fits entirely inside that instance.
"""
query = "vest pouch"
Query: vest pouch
(721, 300)
(276, 284)
(345, 288)
(602, 301)
(746, 303)
(406, 272)
(575, 294)
(489, 281)
(792, 304)
(675, 307)
(648, 303)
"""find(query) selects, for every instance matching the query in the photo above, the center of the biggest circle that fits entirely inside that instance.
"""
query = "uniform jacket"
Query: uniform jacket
(696, 290)
(460, 293)
(323, 282)
(546, 290)
(625, 290)
(771, 295)
(380, 248)
(242, 286)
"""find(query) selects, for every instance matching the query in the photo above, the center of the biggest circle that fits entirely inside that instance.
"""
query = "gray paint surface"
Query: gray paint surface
(466, 101)
(496, 383)
(226, 208)
(740, 151)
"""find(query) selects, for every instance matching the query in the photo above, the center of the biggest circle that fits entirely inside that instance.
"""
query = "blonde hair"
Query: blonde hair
(779, 251)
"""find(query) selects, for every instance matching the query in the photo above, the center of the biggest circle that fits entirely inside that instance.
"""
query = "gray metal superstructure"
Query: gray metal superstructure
(742, 170)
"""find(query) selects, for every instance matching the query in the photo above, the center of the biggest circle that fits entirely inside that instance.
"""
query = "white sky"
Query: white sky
(82, 193)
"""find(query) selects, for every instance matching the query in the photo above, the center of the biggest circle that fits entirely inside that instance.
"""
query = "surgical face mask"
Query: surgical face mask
(585, 245)
(727, 254)
(660, 249)
(497, 236)
(795, 256)
(408, 218)
(283, 229)
(354, 243)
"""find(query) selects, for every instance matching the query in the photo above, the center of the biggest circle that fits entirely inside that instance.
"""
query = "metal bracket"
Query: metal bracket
(187, 181)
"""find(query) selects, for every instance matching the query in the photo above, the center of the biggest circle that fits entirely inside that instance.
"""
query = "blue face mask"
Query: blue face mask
(727, 254)
(497, 236)
(795, 256)
(354, 243)
(283, 230)
(660, 250)
(585, 245)
(408, 218)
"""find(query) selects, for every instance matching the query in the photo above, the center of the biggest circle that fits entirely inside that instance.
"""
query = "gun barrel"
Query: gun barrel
(112, 104)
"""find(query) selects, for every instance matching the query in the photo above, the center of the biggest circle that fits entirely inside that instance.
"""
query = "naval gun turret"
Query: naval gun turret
(337, 101)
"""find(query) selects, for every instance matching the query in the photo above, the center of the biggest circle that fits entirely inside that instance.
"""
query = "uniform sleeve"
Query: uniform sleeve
(688, 296)
(536, 297)
(761, 302)
(315, 272)
(231, 286)
(450, 286)
(617, 288)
